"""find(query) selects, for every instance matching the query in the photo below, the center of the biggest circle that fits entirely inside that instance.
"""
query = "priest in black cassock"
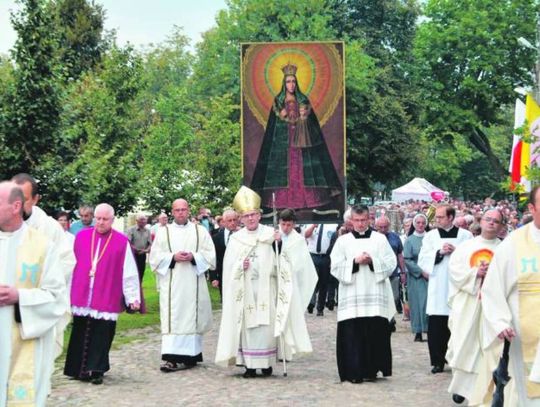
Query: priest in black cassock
(363, 261)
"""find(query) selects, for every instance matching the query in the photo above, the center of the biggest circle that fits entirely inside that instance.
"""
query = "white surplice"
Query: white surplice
(367, 293)
(437, 299)
(471, 367)
(185, 307)
(40, 309)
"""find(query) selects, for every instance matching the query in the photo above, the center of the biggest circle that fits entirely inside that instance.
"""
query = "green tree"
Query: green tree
(468, 64)
(81, 41)
(30, 114)
(6, 87)
(98, 153)
(381, 117)
(217, 62)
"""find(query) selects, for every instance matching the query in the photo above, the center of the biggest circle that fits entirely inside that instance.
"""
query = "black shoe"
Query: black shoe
(418, 338)
(249, 373)
(267, 372)
(310, 308)
(456, 398)
(393, 325)
(320, 313)
(437, 369)
(330, 306)
(97, 380)
(356, 381)
(370, 379)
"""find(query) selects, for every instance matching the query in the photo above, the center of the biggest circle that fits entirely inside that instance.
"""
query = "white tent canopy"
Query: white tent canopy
(418, 189)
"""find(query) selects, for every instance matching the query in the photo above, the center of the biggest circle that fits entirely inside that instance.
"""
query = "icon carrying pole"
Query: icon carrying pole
(276, 253)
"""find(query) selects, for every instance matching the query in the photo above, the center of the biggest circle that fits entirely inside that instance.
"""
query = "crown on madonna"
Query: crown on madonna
(289, 69)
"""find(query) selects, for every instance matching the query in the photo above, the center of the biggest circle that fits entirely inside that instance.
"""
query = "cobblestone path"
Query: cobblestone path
(135, 379)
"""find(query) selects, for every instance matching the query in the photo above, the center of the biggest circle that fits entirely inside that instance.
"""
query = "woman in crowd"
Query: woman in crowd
(417, 281)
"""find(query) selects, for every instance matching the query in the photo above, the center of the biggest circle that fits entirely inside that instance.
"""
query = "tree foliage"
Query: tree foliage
(427, 94)
(469, 63)
(97, 152)
(81, 41)
(31, 102)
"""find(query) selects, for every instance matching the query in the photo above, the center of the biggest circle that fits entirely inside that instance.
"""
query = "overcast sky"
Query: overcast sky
(138, 21)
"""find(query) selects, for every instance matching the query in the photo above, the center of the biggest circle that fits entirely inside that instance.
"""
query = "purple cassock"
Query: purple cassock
(107, 289)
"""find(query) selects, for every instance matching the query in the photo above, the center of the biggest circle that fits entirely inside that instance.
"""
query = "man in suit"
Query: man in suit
(230, 225)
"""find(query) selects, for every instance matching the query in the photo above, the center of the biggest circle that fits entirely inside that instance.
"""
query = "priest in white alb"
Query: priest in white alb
(32, 300)
(471, 367)
(296, 282)
(437, 246)
(36, 218)
(362, 261)
(511, 307)
(180, 255)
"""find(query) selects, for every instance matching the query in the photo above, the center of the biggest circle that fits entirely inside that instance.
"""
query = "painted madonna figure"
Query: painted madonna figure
(294, 162)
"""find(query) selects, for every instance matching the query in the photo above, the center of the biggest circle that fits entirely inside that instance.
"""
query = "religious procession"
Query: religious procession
(231, 205)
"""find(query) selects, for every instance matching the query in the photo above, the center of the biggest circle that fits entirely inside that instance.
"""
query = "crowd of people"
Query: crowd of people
(464, 274)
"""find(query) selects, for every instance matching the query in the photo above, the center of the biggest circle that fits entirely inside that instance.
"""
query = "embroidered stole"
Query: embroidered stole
(30, 260)
(528, 275)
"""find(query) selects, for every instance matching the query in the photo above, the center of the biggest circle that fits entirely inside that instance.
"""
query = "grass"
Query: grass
(129, 326)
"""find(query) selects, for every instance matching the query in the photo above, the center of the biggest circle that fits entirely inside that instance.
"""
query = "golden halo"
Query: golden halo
(319, 74)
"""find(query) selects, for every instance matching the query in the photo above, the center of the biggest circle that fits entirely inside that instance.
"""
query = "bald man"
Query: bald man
(230, 222)
(32, 301)
(105, 282)
(181, 254)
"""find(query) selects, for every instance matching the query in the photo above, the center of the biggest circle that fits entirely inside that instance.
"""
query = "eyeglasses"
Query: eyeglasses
(490, 219)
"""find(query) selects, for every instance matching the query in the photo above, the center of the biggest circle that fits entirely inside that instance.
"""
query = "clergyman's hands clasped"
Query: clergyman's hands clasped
(8, 295)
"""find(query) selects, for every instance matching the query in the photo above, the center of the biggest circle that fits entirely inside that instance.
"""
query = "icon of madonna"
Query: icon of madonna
(294, 162)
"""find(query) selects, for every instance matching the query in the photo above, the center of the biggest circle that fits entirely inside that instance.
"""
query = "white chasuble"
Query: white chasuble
(471, 367)
(247, 331)
(503, 306)
(184, 300)
(29, 262)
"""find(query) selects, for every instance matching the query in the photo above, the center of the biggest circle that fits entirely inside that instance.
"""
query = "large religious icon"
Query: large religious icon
(293, 127)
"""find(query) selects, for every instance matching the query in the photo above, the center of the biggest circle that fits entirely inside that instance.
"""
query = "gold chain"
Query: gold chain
(93, 271)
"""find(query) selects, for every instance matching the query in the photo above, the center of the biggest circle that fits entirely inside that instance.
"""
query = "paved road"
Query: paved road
(135, 379)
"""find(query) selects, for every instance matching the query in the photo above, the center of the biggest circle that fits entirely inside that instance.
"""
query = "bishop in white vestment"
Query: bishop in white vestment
(247, 335)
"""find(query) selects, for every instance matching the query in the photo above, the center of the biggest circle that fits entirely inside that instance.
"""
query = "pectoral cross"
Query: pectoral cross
(93, 269)
(250, 308)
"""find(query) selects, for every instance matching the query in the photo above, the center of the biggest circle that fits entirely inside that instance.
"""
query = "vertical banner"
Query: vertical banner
(293, 127)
